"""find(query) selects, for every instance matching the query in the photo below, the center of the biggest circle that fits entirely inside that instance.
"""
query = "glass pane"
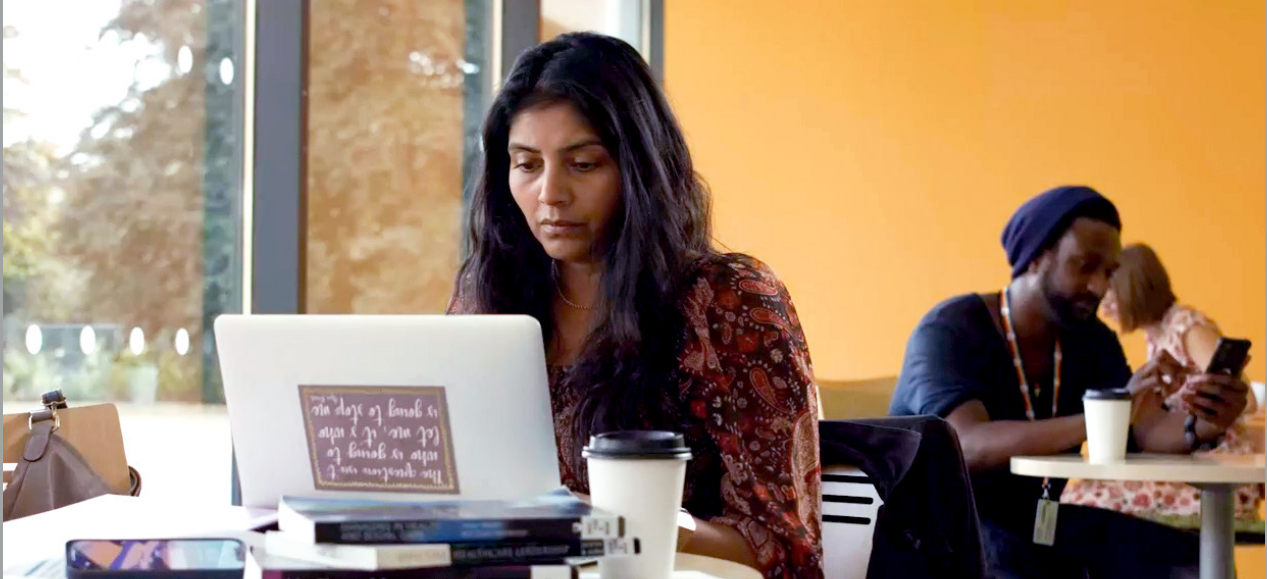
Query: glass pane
(396, 90)
(620, 18)
(122, 173)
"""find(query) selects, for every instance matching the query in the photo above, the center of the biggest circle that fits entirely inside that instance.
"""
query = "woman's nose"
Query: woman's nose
(554, 190)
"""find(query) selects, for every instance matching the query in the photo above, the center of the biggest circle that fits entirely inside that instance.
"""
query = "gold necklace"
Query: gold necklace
(558, 288)
(565, 299)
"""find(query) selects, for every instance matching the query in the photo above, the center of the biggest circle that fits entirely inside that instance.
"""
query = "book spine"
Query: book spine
(505, 572)
(466, 531)
(366, 557)
(538, 552)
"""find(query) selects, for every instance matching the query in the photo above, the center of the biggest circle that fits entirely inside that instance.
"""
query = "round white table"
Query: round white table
(687, 566)
(1215, 474)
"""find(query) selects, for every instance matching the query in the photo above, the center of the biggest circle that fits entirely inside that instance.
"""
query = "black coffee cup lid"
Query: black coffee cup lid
(642, 444)
(1108, 394)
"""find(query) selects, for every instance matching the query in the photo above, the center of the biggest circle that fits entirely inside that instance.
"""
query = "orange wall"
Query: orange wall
(872, 151)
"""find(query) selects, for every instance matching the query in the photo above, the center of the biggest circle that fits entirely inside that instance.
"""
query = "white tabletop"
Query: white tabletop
(1206, 468)
(689, 566)
(30, 543)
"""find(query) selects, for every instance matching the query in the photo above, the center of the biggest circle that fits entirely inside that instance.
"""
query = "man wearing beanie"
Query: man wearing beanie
(962, 364)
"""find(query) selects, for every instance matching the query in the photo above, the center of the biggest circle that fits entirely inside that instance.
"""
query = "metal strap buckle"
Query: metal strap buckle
(30, 420)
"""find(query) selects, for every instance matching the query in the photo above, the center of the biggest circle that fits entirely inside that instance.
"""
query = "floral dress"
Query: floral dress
(1170, 502)
(748, 406)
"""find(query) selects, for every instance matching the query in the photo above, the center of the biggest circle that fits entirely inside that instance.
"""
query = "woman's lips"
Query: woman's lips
(559, 228)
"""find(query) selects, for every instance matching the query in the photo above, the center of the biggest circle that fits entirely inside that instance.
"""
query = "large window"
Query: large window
(630, 20)
(167, 161)
(122, 173)
(396, 92)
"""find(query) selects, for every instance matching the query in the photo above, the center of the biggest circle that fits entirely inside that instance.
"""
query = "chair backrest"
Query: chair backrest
(93, 431)
(850, 506)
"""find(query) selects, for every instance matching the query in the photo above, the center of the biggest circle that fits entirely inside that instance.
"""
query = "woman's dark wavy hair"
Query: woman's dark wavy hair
(658, 237)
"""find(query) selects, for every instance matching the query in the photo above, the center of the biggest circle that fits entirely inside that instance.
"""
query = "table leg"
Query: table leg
(1218, 531)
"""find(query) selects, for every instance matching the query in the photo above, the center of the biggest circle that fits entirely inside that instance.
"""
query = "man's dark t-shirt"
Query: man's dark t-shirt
(958, 354)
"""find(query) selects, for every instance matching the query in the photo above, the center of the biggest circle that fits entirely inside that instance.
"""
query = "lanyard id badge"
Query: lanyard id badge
(1045, 519)
(1046, 514)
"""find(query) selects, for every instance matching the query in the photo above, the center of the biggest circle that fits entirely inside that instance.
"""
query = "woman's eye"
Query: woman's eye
(584, 166)
(527, 166)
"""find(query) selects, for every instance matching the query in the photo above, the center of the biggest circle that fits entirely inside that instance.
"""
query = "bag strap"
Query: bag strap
(134, 477)
(42, 423)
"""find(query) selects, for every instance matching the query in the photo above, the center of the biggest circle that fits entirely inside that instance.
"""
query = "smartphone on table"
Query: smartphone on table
(155, 558)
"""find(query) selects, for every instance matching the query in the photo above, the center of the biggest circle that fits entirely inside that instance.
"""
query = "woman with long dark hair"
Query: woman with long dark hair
(588, 216)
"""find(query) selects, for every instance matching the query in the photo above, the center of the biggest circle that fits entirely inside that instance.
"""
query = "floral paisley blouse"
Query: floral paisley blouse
(749, 410)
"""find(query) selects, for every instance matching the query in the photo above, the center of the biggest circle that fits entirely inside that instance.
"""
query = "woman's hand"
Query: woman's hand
(1161, 375)
(686, 523)
(1152, 384)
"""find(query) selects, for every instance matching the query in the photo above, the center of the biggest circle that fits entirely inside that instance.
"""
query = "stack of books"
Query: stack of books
(540, 538)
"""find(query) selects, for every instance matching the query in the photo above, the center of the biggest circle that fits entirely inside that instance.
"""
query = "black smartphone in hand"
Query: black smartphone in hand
(1230, 357)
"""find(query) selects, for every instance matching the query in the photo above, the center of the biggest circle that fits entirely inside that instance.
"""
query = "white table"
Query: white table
(1215, 474)
(688, 566)
(33, 542)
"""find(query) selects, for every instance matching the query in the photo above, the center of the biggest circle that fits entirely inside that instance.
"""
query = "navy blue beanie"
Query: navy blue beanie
(1042, 220)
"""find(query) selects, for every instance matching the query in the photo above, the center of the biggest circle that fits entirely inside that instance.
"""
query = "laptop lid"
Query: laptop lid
(388, 407)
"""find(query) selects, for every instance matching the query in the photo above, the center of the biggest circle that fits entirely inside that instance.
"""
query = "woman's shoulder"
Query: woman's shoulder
(737, 272)
(1180, 318)
(738, 312)
(733, 286)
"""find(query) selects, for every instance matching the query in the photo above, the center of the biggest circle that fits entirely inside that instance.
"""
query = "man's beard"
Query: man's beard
(1069, 311)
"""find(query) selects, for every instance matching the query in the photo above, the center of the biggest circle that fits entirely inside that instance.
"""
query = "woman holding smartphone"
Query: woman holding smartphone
(1140, 298)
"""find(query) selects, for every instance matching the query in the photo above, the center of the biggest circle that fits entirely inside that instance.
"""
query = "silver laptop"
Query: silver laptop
(387, 407)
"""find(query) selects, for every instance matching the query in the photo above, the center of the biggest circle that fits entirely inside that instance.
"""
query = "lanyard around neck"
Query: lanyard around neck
(1015, 348)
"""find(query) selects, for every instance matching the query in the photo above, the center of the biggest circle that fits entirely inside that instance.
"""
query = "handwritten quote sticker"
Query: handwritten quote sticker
(391, 439)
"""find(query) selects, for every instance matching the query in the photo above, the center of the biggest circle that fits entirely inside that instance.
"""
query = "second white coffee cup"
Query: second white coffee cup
(639, 475)
(1108, 416)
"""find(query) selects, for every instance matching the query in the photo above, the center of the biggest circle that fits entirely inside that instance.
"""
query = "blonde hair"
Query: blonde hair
(1142, 288)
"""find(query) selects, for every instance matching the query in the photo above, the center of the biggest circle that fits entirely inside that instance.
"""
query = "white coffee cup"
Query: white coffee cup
(1108, 417)
(639, 475)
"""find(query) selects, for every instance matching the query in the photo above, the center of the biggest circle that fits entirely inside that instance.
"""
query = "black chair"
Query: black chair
(925, 522)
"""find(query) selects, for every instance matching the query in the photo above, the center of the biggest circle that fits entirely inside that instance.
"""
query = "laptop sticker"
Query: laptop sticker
(379, 439)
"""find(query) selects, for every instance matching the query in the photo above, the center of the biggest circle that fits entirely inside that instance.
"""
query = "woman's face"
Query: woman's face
(563, 179)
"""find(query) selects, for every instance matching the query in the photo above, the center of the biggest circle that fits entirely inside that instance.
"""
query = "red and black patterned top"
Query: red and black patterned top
(749, 408)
